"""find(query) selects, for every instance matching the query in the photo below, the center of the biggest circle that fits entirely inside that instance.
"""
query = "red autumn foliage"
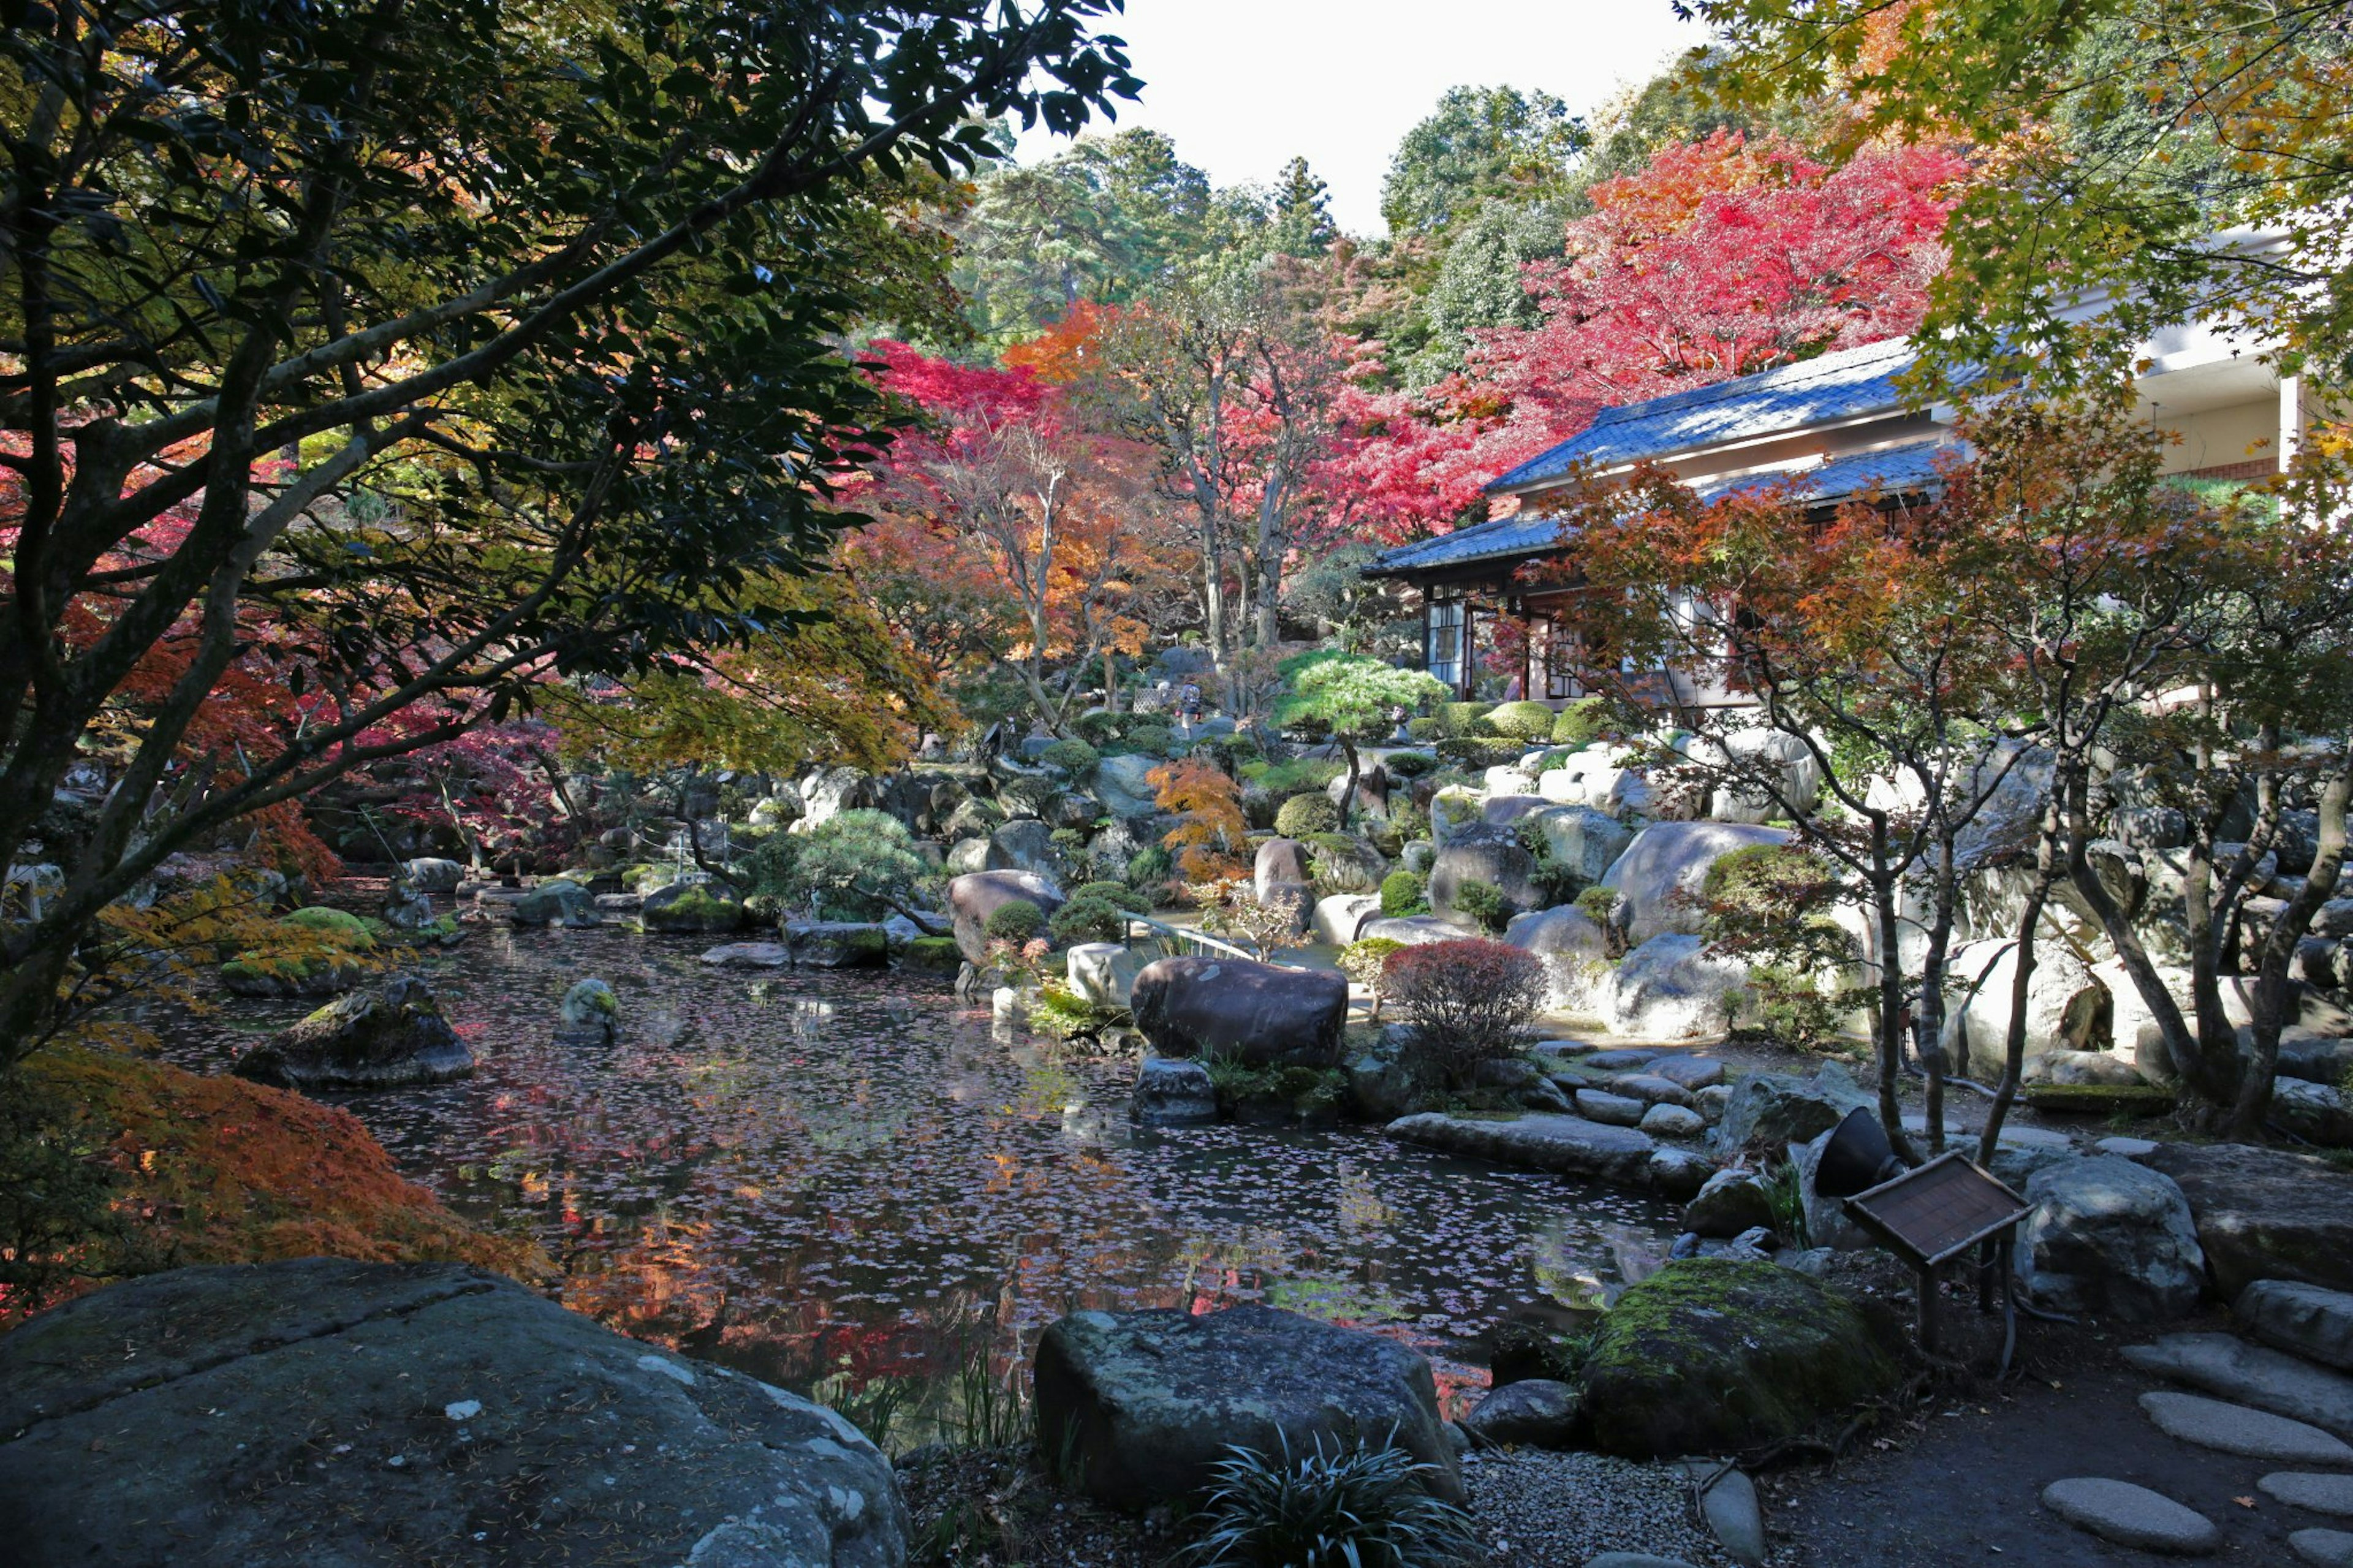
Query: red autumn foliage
(1466, 1001)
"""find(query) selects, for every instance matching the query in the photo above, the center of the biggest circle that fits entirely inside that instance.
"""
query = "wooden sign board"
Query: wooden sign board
(1938, 1211)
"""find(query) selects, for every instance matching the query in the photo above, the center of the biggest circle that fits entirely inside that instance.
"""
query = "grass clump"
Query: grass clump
(1339, 1506)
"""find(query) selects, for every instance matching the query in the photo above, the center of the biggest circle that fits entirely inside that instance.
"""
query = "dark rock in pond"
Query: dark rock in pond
(1171, 1091)
(1732, 1202)
(1537, 1410)
(553, 904)
(837, 944)
(590, 1013)
(429, 874)
(1711, 1355)
(1567, 1145)
(1264, 1013)
(2110, 1239)
(1383, 1084)
(2264, 1214)
(976, 895)
(692, 908)
(390, 1038)
(1145, 1404)
(933, 956)
(749, 955)
(321, 1411)
(1778, 1108)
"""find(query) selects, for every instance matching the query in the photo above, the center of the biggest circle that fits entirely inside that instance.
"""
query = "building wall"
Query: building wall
(2230, 437)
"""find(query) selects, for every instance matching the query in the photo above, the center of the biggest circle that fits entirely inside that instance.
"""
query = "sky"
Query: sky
(1242, 85)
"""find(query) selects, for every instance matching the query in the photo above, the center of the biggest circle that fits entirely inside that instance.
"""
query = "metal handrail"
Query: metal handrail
(1183, 936)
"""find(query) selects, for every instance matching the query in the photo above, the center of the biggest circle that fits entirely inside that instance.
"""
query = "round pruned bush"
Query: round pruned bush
(1466, 1002)
(1523, 720)
(1405, 893)
(1014, 923)
(1097, 911)
(1075, 758)
(1426, 729)
(1345, 1506)
(1304, 816)
(1485, 903)
(1581, 723)
(1097, 728)
(1152, 738)
(1481, 752)
(1408, 764)
(1466, 719)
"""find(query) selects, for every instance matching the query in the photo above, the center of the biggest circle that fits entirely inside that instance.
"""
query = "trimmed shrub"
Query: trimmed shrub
(1075, 758)
(1466, 1001)
(1426, 729)
(1408, 764)
(1523, 720)
(1484, 902)
(1015, 922)
(337, 926)
(1407, 821)
(1095, 912)
(1350, 1507)
(1481, 752)
(1579, 723)
(1366, 963)
(1304, 816)
(1465, 719)
(1151, 737)
(1405, 893)
(1298, 776)
(1098, 728)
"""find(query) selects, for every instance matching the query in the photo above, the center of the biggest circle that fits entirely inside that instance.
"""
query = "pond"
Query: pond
(830, 1179)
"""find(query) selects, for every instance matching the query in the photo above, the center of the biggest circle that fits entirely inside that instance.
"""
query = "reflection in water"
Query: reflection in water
(827, 1175)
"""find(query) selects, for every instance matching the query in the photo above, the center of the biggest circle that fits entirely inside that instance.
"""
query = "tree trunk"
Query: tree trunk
(1348, 795)
(1891, 994)
(2252, 1102)
(2013, 1047)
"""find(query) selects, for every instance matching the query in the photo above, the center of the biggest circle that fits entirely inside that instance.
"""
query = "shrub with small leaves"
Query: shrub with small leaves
(1152, 739)
(1075, 758)
(1338, 1507)
(1525, 720)
(1426, 729)
(1365, 964)
(1465, 719)
(1407, 821)
(1014, 923)
(1481, 752)
(1467, 1001)
(1098, 728)
(1581, 723)
(1150, 868)
(1485, 903)
(1408, 764)
(1303, 815)
(1097, 911)
(1405, 893)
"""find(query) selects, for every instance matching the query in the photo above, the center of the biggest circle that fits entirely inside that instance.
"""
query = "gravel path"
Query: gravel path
(1539, 1510)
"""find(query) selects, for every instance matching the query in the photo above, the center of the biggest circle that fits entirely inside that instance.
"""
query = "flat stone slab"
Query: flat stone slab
(1731, 1511)
(2249, 1374)
(2132, 1516)
(1611, 1109)
(1650, 1087)
(2310, 1320)
(1634, 1559)
(2264, 1214)
(1569, 1145)
(1691, 1072)
(2235, 1429)
(2311, 1490)
(1622, 1060)
(750, 955)
(2323, 1548)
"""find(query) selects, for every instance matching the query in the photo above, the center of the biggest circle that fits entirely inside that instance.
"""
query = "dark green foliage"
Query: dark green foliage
(1525, 721)
(1075, 758)
(1522, 1351)
(1478, 752)
(56, 1191)
(857, 865)
(1015, 922)
(1095, 912)
(1294, 1088)
(1408, 764)
(1770, 904)
(1097, 728)
(1151, 739)
(1581, 723)
(1405, 893)
(1066, 1015)
(1407, 821)
(1347, 1507)
(935, 954)
(1484, 902)
(1297, 777)
(1427, 727)
(1480, 145)
(1303, 815)
(1150, 868)
(1462, 719)
(1556, 883)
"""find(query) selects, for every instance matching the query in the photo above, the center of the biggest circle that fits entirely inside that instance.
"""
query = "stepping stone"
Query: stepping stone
(1731, 1511)
(2249, 1374)
(2321, 1494)
(2323, 1548)
(2132, 1516)
(1691, 1072)
(1620, 1061)
(1612, 1109)
(2235, 1429)
(2311, 1320)
(1649, 1087)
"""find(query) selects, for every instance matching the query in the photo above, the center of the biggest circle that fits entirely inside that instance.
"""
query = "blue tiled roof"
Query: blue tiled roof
(1788, 398)
(1909, 470)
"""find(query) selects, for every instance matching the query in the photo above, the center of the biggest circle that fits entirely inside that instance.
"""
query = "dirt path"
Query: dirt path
(1966, 1486)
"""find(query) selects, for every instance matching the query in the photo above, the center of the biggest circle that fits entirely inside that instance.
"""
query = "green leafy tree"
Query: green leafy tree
(423, 353)
(1354, 698)
(1479, 143)
(1299, 213)
(854, 865)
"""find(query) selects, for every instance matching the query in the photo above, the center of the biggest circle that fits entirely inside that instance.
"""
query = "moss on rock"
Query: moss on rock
(1713, 1354)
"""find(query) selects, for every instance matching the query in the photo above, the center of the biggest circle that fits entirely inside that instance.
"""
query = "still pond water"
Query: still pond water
(810, 1176)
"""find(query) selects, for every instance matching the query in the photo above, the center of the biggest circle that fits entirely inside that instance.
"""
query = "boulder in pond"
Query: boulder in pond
(976, 895)
(748, 955)
(1540, 1141)
(1264, 1013)
(2111, 1239)
(590, 1014)
(707, 908)
(1147, 1403)
(1732, 1202)
(556, 903)
(430, 874)
(2264, 1214)
(1172, 1091)
(1711, 1355)
(393, 1036)
(327, 1411)
(837, 944)
(1659, 876)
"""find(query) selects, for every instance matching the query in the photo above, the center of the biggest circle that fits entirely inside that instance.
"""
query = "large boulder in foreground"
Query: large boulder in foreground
(2110, 1239)
(330, 1411)
(1711, 1355)
(1146, 1402)
(974, 897)
(2264, 1214)
(390, 1038)
(1263, 1013)
(2068, 1008)
(1662, 872)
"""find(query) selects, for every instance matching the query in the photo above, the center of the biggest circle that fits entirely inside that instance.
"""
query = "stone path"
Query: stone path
(2320, 1493)
(2236, 1429)
(2230, 1368)
(2132, 1516)
(2323, 1548)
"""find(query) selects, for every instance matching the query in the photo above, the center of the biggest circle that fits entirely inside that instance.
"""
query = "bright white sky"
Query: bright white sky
(1242, 85)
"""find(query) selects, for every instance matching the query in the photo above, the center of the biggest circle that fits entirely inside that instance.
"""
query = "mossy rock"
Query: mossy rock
(2099, 1099)
(694, 909)
(934, 956)
(348, 928)
(1711, 1355)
